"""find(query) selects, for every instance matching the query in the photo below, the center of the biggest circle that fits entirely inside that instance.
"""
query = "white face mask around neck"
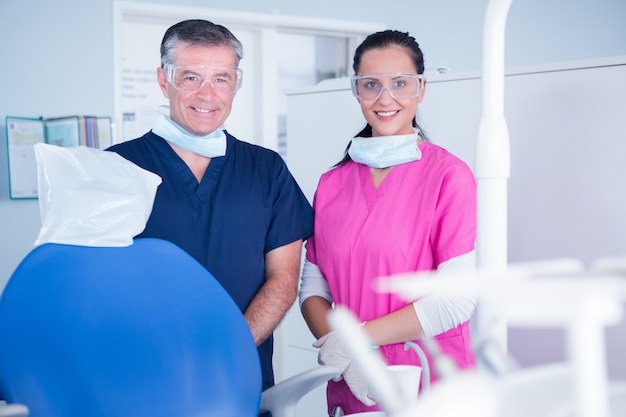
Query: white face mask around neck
(212, 145)
(385, 151)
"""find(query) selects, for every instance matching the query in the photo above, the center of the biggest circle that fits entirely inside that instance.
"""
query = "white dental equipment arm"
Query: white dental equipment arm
(472, 394)
(492, 170)
(371, 363)
(581, 303)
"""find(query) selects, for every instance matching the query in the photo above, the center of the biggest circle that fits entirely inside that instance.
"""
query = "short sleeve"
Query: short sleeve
(292, 215)
(454, 222)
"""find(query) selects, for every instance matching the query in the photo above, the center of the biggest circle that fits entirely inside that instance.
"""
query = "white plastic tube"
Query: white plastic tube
(492, 170)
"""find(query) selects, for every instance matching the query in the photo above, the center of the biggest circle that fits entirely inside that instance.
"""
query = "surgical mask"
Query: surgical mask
(211, 145)
(385, 151)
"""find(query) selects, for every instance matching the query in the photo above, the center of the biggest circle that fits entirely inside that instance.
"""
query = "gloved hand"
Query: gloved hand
(357, 384)
(332, 353)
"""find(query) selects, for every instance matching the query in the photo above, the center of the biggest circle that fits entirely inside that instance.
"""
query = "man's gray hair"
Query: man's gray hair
(197, 32)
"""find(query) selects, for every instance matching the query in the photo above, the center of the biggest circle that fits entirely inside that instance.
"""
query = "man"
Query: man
(232, 205)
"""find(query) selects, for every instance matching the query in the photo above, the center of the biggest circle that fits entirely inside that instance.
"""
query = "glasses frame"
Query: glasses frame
(170, 69)
(356, 78)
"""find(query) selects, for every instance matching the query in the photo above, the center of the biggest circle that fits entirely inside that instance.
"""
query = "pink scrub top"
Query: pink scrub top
(422, 214)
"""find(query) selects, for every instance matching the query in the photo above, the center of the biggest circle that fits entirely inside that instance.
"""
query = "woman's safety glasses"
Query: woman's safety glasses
(399, 86)
(192, 78)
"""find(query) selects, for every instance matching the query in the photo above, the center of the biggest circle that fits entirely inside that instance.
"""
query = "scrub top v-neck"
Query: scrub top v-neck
(421, 214)
(246, 205)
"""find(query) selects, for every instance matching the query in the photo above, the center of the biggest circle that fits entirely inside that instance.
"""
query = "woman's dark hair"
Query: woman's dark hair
(385, 39)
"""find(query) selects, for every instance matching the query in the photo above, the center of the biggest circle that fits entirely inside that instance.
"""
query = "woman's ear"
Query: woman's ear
(421, 96)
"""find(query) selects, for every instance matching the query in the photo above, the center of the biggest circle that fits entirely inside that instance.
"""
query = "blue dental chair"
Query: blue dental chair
(142, 331)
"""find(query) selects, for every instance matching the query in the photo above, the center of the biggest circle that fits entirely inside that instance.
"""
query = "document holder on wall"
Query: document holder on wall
(24, 132)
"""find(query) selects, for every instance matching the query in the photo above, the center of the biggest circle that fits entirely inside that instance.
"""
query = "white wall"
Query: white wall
(59, 59)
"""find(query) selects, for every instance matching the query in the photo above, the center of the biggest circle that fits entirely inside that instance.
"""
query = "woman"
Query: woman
(396, 203)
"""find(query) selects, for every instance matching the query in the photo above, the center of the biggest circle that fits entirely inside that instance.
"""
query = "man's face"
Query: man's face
(204, 111)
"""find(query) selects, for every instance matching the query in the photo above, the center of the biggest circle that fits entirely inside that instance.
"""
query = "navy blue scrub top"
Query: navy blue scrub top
(247, 204)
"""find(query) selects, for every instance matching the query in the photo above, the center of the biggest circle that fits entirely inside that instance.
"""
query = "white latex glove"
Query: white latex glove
(357, 385)
(332, 353)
